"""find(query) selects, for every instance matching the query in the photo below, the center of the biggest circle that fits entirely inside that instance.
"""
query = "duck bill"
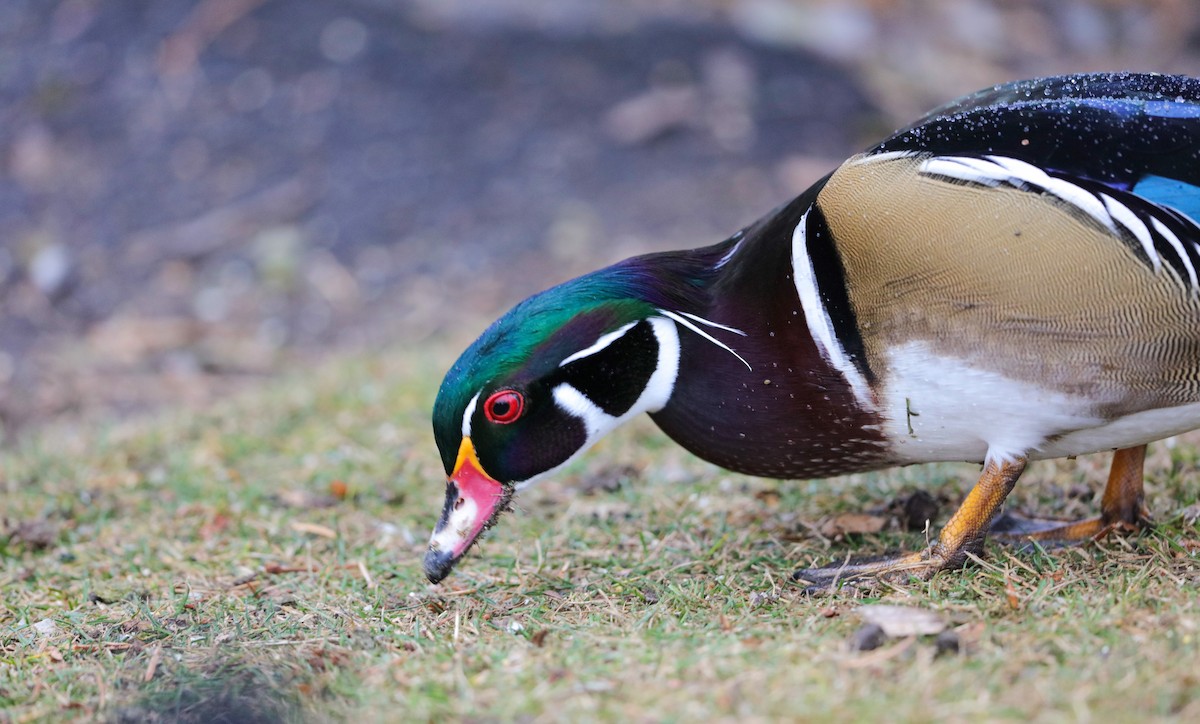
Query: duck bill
(473, 502)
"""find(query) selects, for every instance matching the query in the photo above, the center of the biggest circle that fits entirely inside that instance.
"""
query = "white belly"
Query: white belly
(941, 409)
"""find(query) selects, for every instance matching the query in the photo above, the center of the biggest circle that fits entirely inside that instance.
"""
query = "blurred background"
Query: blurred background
(198, 194)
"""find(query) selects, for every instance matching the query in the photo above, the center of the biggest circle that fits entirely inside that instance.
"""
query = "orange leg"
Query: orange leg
(963, 534)
(1122, 508)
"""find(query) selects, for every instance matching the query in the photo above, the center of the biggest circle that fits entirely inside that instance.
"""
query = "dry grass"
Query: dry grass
(209, 566)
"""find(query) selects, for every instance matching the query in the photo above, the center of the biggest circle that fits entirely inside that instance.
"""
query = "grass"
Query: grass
(260, 562)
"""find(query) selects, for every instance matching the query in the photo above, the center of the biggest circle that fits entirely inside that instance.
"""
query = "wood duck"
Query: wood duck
(1014, 277)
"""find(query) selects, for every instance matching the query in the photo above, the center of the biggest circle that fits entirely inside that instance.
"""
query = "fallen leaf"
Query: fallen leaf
(1014, 601)
(46, 627)
(852, 524)
(38, 533)
(899, 621)
(768, 497)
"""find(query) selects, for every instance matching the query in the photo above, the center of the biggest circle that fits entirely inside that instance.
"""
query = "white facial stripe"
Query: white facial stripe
(598, 423)
(600, 344)
(710, 323)
(467, 413)
(820, 325)
(687, 323)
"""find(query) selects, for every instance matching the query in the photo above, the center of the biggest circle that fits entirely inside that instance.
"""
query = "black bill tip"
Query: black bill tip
(438, 565)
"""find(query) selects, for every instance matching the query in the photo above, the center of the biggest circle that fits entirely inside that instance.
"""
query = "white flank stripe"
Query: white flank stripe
(1125, 216)
(687, 323)
(1177, 245)
(600, 344)
(820, 326)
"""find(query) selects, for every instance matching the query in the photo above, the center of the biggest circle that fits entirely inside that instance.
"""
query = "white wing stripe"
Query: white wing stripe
(1129, 220)
(1173, 240)
(1152, 235)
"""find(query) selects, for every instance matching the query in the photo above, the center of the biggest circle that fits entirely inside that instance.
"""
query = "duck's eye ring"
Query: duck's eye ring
(504, 406)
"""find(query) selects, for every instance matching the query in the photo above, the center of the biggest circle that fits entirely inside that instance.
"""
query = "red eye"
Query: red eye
(504, 406)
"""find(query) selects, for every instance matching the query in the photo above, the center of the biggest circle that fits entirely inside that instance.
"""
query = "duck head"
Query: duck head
(545, 382)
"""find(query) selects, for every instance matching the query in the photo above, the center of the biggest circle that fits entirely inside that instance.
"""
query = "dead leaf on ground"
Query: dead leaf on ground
(37, 533)
(852, 524)
(769, 497)
(900, 621)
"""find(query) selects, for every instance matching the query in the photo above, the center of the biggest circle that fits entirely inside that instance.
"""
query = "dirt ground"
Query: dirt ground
(198, 194)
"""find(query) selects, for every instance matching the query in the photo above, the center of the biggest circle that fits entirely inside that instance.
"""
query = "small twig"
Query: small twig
(362, 568)
(155, 659)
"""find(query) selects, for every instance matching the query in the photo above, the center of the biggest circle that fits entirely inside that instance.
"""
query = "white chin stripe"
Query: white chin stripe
(820, 326)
